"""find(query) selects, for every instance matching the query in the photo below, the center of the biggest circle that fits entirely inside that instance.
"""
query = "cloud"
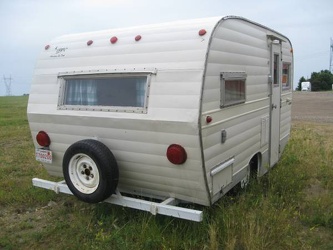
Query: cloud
(101, 3)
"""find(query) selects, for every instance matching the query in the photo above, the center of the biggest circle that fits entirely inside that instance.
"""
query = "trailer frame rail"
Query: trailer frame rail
(167, 207)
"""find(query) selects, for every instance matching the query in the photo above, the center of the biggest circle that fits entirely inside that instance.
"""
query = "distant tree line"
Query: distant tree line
(320, 81)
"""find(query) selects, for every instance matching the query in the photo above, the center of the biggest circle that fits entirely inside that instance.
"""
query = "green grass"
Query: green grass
(17, 162)
(290, 208)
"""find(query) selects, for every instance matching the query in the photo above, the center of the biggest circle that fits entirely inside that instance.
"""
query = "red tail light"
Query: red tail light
(176, 154)
(43, 139)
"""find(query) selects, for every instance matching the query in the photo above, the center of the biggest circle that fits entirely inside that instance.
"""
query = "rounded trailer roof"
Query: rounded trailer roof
(173, 45)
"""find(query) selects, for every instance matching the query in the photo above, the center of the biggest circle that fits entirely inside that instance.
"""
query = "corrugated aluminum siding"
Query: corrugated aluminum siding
(238, 46)
(176, 53)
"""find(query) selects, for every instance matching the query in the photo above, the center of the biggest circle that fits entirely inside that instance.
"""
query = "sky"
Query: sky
(26, 26)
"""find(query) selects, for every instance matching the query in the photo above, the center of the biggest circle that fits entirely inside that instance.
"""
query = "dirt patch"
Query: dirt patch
(315, 190)
(312, 106)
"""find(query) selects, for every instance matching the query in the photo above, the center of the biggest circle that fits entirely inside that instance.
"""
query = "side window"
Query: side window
(276, 69)
(286, 75)
(233, 86)
(120, 93)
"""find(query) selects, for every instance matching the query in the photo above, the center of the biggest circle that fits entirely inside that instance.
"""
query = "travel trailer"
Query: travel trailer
(174, 112)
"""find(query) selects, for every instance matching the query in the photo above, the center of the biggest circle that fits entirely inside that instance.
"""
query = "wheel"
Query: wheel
(251, 172)
(90, 171)
(246, 180)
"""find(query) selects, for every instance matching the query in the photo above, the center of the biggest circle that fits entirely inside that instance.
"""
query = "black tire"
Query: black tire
(90, 171)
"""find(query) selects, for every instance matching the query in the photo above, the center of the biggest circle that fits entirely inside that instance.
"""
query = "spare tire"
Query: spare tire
(90, 170)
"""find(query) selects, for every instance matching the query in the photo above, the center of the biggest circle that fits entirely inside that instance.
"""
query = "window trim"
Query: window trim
(231, 76)
(62, 82)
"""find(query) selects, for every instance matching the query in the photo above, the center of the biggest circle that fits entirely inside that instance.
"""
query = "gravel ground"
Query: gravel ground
(312, 106)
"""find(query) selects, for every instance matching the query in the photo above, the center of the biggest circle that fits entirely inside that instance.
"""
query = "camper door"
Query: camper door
(275, 101)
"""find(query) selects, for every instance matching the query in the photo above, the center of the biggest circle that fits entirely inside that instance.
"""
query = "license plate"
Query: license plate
(43, 155)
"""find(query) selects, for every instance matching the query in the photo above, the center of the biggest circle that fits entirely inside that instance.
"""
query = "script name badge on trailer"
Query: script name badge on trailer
(43, 155)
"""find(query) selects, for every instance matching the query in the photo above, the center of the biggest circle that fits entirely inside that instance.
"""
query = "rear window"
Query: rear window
(120, 93)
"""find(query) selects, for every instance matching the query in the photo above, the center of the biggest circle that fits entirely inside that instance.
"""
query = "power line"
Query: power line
(8, 85)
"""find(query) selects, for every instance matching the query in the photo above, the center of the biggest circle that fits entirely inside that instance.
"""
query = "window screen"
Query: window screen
(232, 88)
(110, 93)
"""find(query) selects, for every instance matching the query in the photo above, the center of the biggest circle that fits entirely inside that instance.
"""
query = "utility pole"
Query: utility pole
(8, 84)
(331, 56)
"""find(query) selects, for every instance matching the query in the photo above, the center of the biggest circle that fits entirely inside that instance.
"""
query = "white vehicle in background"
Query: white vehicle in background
(180, 112)
(306, 86)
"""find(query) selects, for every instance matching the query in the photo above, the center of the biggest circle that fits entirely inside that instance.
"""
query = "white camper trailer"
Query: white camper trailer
(180, 111)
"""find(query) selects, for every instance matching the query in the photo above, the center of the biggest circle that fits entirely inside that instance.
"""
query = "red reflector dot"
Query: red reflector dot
(176, 154)
(90, 42)
(113, 39)
(202, 32)
(47, 47)
(138, 38)
(209, 119)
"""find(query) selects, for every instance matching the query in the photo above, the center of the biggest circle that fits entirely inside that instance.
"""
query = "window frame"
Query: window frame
(231, 76)
(126, 109)
(286, 87)
(276, 70)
